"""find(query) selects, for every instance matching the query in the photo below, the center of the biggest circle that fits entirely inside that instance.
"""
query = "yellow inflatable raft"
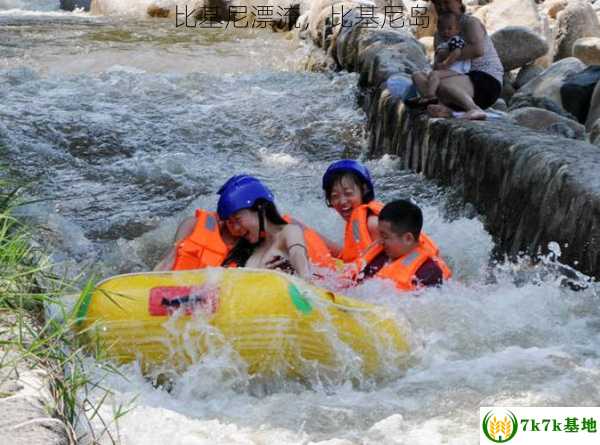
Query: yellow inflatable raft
(275, 323)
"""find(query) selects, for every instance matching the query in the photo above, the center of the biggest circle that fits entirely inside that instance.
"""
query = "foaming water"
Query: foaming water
(486, 343)
(123, 127)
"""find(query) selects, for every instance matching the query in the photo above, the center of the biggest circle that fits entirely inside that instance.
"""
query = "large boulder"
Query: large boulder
(595, 133)
(594, 110)
(577, 20)
(518, 46)
(587, 49)
(502, 13)
(549, 82)
(522, 101)
(576, 91)
(548, 122)
(527, 73)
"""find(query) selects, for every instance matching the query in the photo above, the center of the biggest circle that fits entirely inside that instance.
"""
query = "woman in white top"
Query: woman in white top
(446, 55)
(480, 88)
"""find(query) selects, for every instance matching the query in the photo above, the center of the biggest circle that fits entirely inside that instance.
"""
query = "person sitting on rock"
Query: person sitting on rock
(403, 256)
(480, 88)
(446, 63)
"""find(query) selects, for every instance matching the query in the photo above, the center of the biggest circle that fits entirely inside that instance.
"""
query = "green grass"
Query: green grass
(29, 340)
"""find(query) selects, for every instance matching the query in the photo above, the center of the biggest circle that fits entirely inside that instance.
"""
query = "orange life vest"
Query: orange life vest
(403, 270)
(204, 247)
(357, 239)
(317, 250)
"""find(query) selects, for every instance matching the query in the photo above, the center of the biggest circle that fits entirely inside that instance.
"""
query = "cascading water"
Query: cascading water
(122, 126)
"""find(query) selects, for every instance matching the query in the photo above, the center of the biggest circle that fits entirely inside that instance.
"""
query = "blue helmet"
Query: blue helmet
(350, 165)
(241, 192)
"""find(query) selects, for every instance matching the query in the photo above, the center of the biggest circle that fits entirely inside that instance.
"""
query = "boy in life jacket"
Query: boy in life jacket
(349, 190)
(404, 258)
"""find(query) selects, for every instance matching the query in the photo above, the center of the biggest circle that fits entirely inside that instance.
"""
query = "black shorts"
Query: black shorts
(487, 89)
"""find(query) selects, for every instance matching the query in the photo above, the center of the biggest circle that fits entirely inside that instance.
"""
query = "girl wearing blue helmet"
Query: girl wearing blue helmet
(267, 241)
(349, 190)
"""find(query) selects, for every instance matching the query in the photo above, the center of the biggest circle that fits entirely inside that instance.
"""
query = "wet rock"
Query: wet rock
(549, 82)
(502, 13)
(500, 105)
(518, 46)
(523, 101)
(508, 89)
(70, 5)
(577, 20)
(548, 122)
(587, 49)
(576, 91)
(595, 133)
(527, 73)
(594, 110)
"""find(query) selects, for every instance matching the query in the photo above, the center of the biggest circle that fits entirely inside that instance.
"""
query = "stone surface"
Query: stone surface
(576, 92)
(554, 7)
(527, 73)
(587, 49)
(548, 122)
(26, 405)
(518, 46)
(502, 13)
(577, 20)
(594, 110)
(549, 83)
(523, 101)
(595, 133)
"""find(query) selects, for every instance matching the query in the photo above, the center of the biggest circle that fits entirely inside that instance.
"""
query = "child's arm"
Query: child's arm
(440, 55)
(452, 57)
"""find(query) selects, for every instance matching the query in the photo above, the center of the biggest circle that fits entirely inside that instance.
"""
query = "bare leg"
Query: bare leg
(433, 83)
(457, 90)
(420, 81)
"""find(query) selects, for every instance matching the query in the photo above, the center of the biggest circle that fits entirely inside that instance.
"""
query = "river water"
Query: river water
(121, 126)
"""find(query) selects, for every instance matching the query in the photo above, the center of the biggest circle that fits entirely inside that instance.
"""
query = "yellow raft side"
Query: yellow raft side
(275, 322)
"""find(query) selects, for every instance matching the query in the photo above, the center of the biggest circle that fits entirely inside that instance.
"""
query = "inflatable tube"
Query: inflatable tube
(276, 323)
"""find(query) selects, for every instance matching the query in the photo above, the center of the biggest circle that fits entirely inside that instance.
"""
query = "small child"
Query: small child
(446, 63)
(405, 259)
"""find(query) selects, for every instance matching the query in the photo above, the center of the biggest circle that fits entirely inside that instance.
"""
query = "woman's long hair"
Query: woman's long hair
(243, 249)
